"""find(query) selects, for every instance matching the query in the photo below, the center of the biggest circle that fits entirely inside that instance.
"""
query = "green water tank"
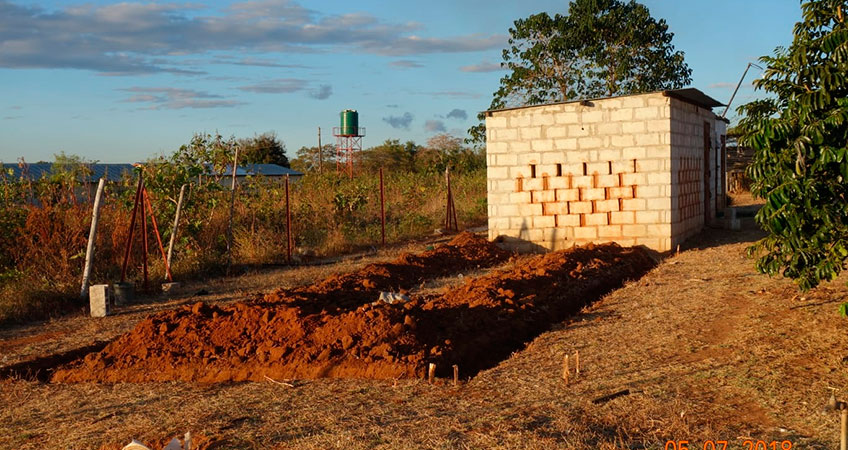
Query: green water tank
(349, 122)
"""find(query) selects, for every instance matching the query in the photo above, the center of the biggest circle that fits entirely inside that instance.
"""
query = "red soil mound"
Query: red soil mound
(474, 326)
(464, 252)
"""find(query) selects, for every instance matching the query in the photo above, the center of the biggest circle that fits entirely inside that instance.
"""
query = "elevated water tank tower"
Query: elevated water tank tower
(348, 140)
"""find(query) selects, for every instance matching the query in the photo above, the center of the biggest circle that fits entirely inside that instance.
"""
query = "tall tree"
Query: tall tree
(265, 148)
(800, 137)
(601, 48)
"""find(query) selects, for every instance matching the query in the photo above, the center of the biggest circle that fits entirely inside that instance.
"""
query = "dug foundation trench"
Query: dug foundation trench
(335, 328)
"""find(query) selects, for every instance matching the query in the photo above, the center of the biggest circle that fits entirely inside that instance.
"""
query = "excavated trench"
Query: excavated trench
(334, 328)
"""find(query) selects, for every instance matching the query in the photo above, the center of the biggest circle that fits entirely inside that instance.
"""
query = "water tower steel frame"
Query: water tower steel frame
(348, 141)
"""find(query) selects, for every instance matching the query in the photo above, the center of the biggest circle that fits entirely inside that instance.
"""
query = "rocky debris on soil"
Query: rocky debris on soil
(474, 325)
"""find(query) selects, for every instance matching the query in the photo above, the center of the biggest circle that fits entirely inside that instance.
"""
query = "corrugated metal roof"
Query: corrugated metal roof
(115, 172)
(691, 95)
(37, 171)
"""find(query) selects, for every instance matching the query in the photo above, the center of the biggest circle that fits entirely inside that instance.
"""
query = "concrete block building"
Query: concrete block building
(637, 170)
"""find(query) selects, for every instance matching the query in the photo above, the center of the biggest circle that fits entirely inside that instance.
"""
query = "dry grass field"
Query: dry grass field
(708, 349)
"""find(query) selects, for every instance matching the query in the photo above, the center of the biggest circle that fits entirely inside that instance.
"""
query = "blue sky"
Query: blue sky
(123, 81)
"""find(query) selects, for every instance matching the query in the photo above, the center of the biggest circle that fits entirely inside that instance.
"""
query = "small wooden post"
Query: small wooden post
(455, 375)
(565, 369)
(158, 236)
(431, 373)
(176, 223)
(144, 241)
(320, 153)
(288, 224)
(128, 249)
(232, 208)
(92, 235)
(382, 208)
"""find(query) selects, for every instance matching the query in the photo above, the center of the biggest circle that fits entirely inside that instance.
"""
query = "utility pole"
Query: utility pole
(320, 153)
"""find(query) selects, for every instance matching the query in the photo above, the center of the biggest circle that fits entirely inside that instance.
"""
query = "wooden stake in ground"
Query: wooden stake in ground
(455, 375)
(382, 208)
(176, 223)
(431, 373)
(565, 369)
(156, 231)
(232, 207)
(288, 224)
(92, 234)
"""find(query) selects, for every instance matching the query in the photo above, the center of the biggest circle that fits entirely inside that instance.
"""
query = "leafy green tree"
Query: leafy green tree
(392, 155)
(444, 150)
(265, 148)
(601, 48)
(307, 158)
(800, 136)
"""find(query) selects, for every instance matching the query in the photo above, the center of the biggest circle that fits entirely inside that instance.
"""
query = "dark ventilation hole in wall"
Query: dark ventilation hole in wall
(559, 170)
(584, 169)
(532, 171)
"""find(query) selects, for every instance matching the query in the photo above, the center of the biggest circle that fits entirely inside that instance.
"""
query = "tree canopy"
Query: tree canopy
(799, 133)
(600, 48)
(265, 148)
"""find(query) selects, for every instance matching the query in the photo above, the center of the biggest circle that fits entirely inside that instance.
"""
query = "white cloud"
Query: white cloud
(173, 98)
(135, 37)
(399, 122)
(484, 66)
(435, 126)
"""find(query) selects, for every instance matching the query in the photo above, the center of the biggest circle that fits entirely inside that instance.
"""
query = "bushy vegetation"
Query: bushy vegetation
(46, 221)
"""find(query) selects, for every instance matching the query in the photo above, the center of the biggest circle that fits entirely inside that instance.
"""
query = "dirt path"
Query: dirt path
(709, 350)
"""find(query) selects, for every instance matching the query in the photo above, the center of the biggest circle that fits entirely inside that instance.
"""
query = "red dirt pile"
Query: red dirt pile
(464, 252)
(475, 326)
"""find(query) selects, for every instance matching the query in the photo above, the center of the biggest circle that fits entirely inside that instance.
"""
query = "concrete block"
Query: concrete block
(606, 205)
(659, 125)
(649, 165)
(593, 194)
(495, 122)
(581, 181)
(609, 231)
(529, 133)
(565, 144)
(509, 159)
(633, 204)
(533, 184)
(590, 116)
(645, 139)
(580, 207)
(633, 101)
(568, 220)
(542, 145)
(633, 128)
(529, 158)
(555, 131)
(567, 195)
(497, 172)
(604, 181)
(496, 147)
(519, 197)
(543, 222)
(589, 143)
(596, 219)
(658, 204)
(629, 153)
(100, 300)
(578, 131)
(647, 217)
(633, 230)
(647, 112)
(506, 134)
(609, 128)
(601, 168)
(609, 154)
(566, 118)
(630, 179)
(543, 196)
(555, 208)
(530, 209)
(621, 115)
(622, 217)
(585, 233)
(616, 193)
(557, 182)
